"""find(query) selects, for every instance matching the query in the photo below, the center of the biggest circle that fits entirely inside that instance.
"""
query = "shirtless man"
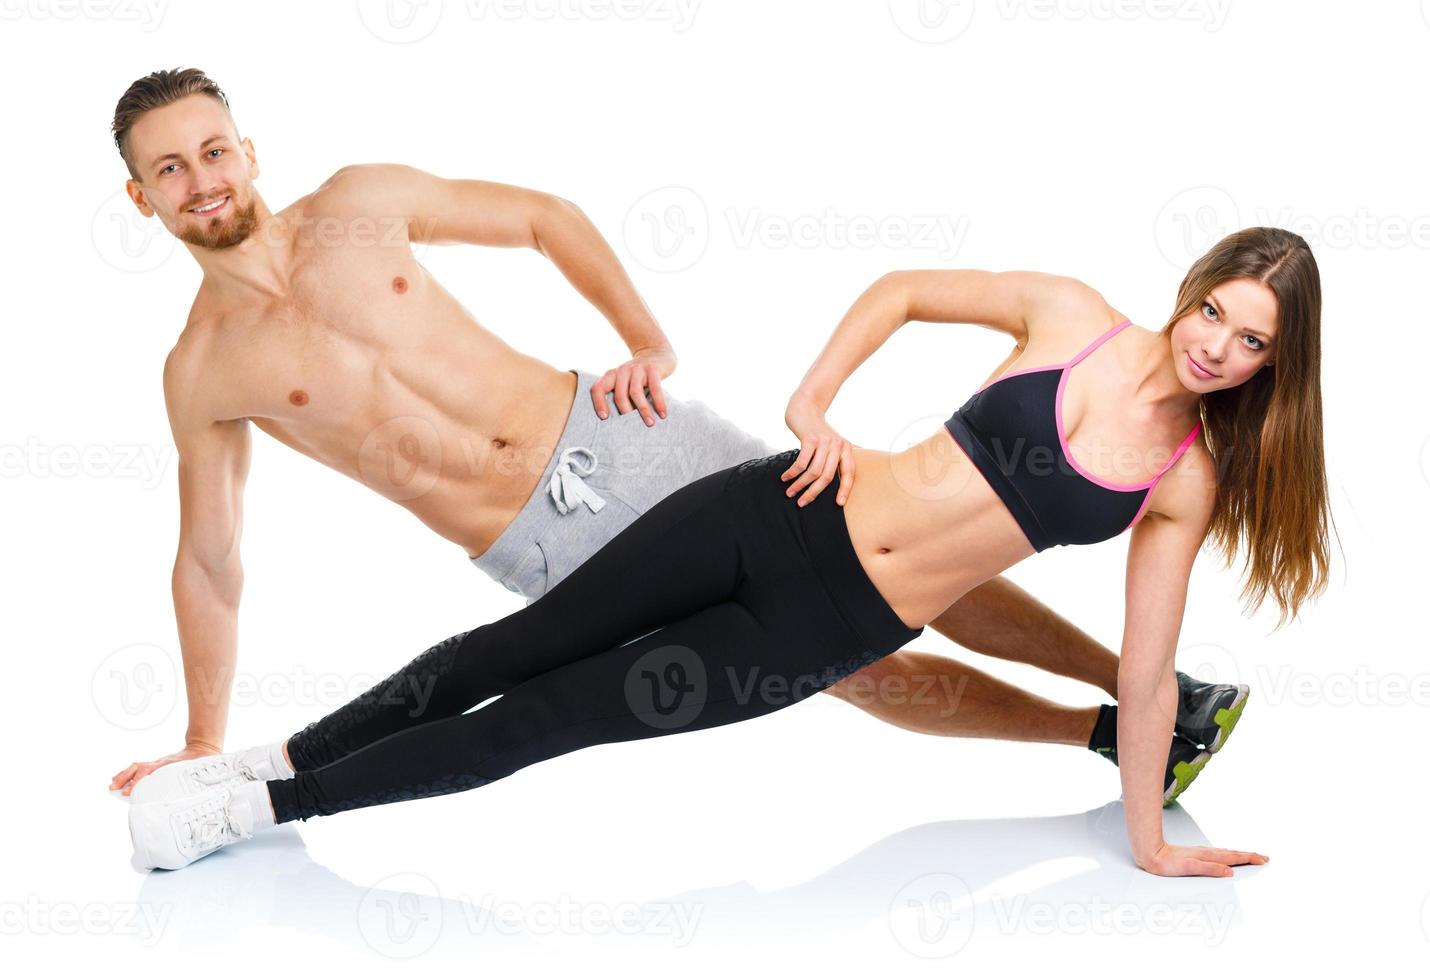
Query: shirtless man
(318, 325)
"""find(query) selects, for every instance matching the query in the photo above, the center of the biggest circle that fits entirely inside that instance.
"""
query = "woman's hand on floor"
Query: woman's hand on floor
(822, 453)
(127, 779)
(1175, 860)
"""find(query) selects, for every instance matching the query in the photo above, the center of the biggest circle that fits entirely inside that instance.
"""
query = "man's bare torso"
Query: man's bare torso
(365, 363)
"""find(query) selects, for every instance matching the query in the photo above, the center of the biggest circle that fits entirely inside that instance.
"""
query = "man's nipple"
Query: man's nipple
(399, 284)
(298, 396)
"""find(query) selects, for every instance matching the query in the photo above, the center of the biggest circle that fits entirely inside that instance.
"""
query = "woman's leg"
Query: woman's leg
(716, 666)
(793, 612)
(678, 557)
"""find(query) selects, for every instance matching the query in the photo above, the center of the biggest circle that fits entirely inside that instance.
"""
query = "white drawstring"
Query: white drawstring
(566, 486)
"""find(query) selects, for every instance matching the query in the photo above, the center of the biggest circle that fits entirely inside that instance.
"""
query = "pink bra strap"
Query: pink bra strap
(1180, 449)
(1097, 343)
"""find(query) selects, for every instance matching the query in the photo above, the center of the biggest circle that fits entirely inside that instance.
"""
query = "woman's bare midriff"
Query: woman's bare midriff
(927, 527)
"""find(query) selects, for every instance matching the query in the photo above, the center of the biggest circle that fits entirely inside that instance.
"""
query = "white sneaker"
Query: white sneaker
(181, 779)
(172, 834)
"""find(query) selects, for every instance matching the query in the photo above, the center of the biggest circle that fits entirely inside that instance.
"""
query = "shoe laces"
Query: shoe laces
(222, 770)
(211, 823)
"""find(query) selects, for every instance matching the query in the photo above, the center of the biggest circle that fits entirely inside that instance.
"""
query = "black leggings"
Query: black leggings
(725, 601)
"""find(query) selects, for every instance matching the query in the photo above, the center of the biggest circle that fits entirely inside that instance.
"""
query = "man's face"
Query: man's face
(188, 155)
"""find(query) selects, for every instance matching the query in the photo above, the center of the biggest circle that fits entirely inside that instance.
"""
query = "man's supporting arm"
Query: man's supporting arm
(208, 576)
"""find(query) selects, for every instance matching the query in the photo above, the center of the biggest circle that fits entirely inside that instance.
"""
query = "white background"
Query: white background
(1112, 142)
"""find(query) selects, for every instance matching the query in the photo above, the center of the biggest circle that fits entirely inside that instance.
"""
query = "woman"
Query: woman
(729, 599)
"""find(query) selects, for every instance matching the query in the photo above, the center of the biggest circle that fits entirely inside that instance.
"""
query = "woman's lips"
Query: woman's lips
(1197, 369)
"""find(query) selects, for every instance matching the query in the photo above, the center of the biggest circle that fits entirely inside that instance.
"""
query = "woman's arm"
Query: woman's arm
(1159, 562)
(1000, 300)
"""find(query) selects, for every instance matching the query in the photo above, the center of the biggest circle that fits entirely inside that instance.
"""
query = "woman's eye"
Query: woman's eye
(1208, 306)
(1259, 344)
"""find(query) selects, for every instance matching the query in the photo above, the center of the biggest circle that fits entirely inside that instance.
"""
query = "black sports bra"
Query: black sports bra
(1012, 431)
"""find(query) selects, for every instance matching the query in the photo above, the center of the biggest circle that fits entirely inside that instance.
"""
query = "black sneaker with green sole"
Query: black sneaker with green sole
(1184, 760)
(1206, 713)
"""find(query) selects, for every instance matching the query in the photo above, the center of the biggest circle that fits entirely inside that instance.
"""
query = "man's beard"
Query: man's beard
(225, 233)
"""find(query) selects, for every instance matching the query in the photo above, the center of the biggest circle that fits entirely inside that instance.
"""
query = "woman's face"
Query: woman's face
(1228, 338)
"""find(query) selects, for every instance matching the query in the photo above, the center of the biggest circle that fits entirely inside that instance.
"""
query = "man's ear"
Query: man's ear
(136, 194)
(252, 155)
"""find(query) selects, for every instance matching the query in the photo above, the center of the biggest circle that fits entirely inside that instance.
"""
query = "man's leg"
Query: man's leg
(937, 695)
(1002, 620)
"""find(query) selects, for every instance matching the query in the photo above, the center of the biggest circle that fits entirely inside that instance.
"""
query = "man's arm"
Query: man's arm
(480, 212)
(208, 577)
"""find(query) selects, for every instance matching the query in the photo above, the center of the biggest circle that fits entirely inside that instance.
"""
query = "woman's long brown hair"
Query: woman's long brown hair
(1265, 434)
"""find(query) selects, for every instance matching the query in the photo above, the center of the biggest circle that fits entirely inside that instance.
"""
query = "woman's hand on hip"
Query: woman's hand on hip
(822, 453)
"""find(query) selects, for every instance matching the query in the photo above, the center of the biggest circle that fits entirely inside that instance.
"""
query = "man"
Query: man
(317, 325)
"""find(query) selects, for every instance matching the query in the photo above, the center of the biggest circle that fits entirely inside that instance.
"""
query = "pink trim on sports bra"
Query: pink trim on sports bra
(1066, 372)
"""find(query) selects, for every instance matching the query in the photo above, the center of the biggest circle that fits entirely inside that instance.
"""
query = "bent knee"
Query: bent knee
(865, 683)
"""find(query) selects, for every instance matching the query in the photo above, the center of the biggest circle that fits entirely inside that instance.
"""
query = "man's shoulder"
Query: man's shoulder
(359, 188)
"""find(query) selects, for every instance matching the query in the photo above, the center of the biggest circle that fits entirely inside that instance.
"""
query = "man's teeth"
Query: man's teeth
(209, 207)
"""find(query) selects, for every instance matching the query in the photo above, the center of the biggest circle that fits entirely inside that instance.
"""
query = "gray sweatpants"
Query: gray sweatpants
(603, 475)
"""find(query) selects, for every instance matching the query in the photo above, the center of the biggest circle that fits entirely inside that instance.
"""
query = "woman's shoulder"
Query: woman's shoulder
(1187, 491)
(1067, 314)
